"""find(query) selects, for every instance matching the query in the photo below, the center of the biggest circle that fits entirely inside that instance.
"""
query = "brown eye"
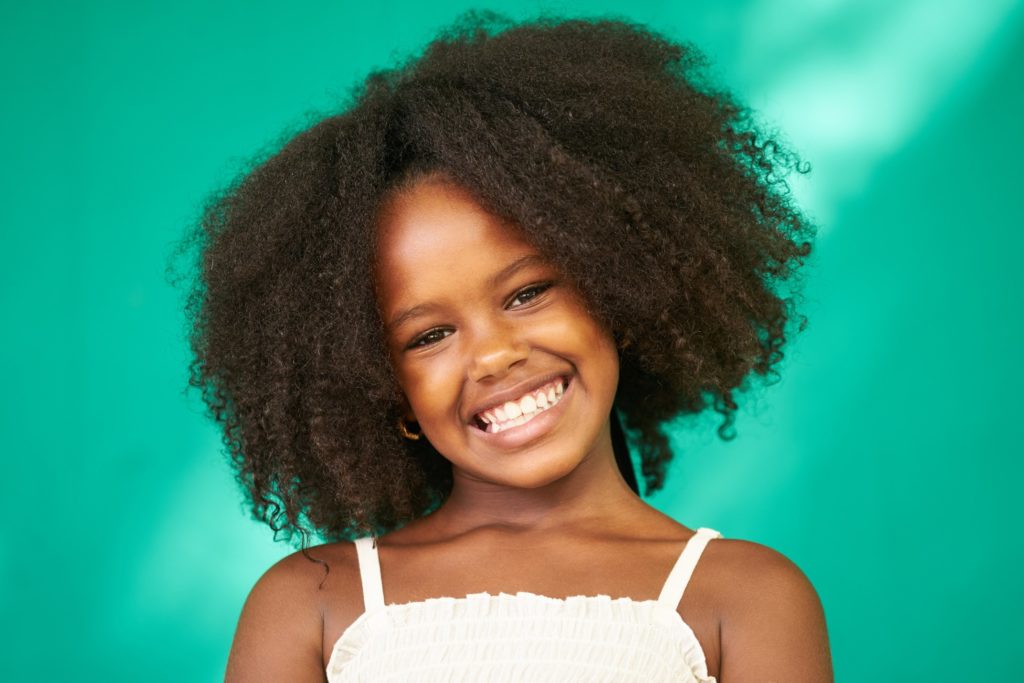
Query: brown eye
(430, 337)
(528, 294)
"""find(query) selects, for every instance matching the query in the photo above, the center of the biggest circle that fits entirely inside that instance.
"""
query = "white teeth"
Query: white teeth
(529, 406)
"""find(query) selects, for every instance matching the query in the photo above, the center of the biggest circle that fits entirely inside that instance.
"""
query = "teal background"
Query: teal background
(886, 463)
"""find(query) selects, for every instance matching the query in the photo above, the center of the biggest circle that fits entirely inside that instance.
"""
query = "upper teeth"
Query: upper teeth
(524, 409)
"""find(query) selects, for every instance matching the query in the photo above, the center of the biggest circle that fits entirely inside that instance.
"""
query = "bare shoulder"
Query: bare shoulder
(772, 620)
(280, 631)
(758, 568)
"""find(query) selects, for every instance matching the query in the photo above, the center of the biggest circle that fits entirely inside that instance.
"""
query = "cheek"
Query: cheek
(583, 328)
(574, 333)
(429, 385)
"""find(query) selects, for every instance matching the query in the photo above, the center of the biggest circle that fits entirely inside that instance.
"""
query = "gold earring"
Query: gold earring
(412, 436)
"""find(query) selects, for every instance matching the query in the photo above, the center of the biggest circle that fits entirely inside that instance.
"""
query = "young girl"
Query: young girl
(438, 323)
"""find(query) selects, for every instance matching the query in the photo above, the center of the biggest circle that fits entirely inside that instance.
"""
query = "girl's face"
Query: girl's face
(505, 371)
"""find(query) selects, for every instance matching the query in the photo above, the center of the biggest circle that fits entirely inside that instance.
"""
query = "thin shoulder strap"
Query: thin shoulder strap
(369, 573)
(679, 577)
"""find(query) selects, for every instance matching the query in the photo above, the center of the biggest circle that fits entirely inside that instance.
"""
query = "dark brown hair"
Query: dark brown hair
(652, 190)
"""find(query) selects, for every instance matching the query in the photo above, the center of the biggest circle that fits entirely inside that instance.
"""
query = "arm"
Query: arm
(279, 635)
(773, 627)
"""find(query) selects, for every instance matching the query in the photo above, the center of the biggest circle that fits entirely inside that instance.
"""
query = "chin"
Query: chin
(528, 472)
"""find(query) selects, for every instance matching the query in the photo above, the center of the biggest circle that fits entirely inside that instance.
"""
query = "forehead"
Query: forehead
(434, 237)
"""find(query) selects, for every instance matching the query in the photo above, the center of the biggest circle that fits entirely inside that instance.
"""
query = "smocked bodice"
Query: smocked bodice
(522, 637)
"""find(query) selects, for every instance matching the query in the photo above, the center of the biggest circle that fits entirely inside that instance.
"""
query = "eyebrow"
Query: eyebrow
(505, 273)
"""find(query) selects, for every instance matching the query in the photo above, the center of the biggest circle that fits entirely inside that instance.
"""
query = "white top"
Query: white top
(503, 638)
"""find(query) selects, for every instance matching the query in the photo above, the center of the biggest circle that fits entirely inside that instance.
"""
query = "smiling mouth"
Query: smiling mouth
(522, 410)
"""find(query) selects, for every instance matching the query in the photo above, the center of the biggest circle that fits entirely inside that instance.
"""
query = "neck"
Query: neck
(594, 490)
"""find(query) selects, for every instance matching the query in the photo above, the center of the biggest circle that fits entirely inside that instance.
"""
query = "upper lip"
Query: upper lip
(499, 398)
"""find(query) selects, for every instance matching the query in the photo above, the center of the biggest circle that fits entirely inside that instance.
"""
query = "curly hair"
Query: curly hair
(653, 191)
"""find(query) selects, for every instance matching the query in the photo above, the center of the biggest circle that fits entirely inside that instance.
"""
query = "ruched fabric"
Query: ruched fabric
(506, 638)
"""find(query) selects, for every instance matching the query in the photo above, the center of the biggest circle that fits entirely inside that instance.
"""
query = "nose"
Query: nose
(496, 350)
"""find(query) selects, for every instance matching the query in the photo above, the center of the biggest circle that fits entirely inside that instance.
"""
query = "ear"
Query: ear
(406, 410)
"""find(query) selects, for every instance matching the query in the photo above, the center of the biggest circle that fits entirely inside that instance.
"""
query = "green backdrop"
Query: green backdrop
(886, 463)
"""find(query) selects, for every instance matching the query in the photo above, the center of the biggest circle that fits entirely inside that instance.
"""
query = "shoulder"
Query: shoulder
(772, 623)
(762, 570)
(299, 578)
(280, 631)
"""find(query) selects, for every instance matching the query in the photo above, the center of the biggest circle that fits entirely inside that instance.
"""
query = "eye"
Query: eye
(430, 337)
(528, 294)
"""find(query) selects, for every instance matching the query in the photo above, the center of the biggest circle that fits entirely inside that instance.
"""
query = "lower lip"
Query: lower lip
(517, 436)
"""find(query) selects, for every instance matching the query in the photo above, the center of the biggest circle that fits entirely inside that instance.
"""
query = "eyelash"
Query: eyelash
(538, 290)
(428, 338)
(424, 339)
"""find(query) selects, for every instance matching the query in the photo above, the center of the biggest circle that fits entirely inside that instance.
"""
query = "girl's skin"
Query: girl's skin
(476, 317)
